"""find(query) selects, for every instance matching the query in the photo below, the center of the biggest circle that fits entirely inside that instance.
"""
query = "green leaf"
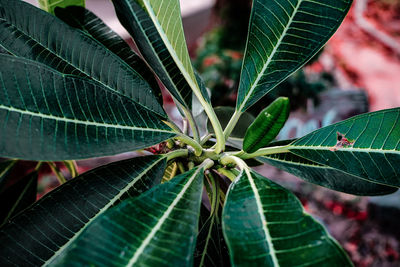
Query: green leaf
(156, 229)
(283, 36)
(26, 31)
(211, 249)
(326, 176)
(224, 114)
(369, 147)
(265, 225)
(18, 196)
(50, 5)
(156, 26)
(42, 232)
(89, 23)
(267, 125)
(46, 115)
(5, 169)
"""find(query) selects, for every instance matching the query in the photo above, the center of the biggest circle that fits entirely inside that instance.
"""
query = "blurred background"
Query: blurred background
(356, 72)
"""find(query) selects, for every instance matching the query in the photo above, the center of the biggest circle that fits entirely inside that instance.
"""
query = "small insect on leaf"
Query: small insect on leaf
(342, 142)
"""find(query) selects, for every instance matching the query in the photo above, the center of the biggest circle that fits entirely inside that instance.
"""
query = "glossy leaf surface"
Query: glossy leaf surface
(89, 23)
(211, 249)
(156, 26)
(5, 169)
(46, 115)
(369, 147)
(29, 32)
(46, 229)
(284, 35)
(265, 225)
(267, 125)
(156, 229)
(326, 176)
(18, 196)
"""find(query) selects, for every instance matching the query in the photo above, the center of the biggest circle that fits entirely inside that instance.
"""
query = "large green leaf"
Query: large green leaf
(326, 176)
(265, 225)
(81, 18)
(283, 35)
(46, 115)
(211, 249)
(156, 26)
(18, 196)
(50, 226)
(51, 5)
(156, 229)
(267, 125)
(5, 169)
(371, 151)
(29, 32)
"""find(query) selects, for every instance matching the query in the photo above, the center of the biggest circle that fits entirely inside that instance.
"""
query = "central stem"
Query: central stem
(231, 124)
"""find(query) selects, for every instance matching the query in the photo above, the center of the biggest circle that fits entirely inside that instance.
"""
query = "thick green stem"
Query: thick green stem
(219, 135)
(261, 152)
(177, 154)
(227, 173)
(193, 125)
(231, 124)
(198, 149)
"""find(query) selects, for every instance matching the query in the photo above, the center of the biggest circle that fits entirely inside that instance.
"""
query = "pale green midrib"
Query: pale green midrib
(266, 64)
(350, 149)
(163, 218)
(9, 166)
(112, 201)
(188, 74)
(264, 222)
(76, 121)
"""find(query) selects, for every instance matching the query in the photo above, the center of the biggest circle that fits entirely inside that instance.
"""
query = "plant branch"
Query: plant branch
(192, 123)
(231, 124)
(198, 149)
(227, 173)
(177, 154)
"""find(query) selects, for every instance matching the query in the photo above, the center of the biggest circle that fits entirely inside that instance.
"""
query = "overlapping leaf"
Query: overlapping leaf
(265, 225)
(326, 176)
(29, 32)
(18, 196)
(156, 229)
(46, 115)
(283, 35)
(83, 19)
(156, 26)
(46, 229)
(371, 149)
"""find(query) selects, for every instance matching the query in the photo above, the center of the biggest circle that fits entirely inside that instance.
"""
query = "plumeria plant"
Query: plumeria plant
(71, 89)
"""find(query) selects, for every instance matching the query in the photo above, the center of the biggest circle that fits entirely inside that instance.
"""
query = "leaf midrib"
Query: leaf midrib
(266, 64)
(171, 50)
(350, 149)
(111, 202)
(76, 121)
(163, 218)
(260, 210)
